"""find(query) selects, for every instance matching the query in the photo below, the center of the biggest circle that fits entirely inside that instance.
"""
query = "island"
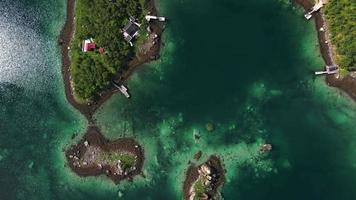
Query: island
(102, 42)
(203, 182)
(94, 155)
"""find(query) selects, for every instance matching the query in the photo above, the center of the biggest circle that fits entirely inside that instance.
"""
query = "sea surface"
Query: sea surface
(244, 66)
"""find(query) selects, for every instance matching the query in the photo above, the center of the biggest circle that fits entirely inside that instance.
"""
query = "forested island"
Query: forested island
(101, 20)
(341, 19)
(100, 52)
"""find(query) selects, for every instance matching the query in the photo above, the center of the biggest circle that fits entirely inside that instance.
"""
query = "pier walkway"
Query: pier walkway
(329, 69)
(316, 8)
(122, 89)
(150, 17)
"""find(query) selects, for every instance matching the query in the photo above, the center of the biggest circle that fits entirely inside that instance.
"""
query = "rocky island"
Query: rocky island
(94, 155)
(203, 181)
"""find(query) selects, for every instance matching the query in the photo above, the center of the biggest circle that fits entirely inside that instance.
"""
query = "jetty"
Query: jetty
(315, 8)
(151, 17)
(329, 69)
(122, 89)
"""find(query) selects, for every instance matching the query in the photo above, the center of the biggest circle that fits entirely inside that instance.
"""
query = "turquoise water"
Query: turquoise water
(244, 66)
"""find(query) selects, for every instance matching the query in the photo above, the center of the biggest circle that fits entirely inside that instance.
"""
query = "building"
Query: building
(130, 31)
(101, 50)
(88, 45)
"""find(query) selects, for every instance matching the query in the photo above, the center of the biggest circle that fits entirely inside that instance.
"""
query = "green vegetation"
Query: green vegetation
(341, 16)
(102, 21)
(199, 189)
(127, 160)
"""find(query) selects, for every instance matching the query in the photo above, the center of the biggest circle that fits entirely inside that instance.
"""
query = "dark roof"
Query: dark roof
(332, 67)
(131, 28)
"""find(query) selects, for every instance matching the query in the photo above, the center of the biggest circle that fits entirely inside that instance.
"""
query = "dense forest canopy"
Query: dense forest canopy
(341, 16)
(101, 20)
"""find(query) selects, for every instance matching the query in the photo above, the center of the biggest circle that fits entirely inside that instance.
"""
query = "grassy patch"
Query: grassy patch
(199, 189)
(127, 160)
(343, 72)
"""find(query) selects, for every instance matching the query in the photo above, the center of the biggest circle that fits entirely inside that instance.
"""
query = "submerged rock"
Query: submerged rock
(265, 148)
(209, 127)
(30, 165)
(120, 194)
(196, 135)
(198, 155)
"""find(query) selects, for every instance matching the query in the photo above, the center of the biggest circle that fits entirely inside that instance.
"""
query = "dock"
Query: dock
(329, 69)
(151, 17)
(315, 8)
(122, 89)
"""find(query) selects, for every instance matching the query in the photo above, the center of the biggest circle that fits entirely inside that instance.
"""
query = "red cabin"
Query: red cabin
(88, 45)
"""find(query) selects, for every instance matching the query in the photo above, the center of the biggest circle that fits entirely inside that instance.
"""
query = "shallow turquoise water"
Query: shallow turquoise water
(244, 66)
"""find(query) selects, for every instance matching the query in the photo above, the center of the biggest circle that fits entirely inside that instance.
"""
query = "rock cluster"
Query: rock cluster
(265, 148)
(210, 176)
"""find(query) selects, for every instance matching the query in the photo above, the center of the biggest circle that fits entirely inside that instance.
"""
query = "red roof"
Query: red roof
(91, 46)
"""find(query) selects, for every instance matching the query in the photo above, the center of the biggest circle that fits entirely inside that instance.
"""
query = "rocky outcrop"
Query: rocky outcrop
(203, 181)
(94, 155)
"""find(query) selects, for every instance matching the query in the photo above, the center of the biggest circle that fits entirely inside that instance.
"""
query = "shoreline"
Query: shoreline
(346, 84)
(65, 39)
(80, 156)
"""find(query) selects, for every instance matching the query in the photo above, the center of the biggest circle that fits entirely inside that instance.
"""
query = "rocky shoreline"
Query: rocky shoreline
(347, 83)
(204, 181)
(94, 155)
